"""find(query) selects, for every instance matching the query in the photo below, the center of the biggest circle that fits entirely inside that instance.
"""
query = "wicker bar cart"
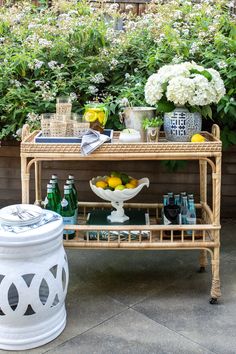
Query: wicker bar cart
(205, 235)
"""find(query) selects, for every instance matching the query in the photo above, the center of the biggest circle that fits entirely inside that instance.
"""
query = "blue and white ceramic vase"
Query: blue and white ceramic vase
(180, 124)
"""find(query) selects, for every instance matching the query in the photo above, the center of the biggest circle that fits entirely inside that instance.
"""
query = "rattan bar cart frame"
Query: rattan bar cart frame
(205, 235)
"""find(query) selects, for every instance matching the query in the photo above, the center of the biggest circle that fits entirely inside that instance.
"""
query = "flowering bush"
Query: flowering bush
(91, 53)
(184, 84)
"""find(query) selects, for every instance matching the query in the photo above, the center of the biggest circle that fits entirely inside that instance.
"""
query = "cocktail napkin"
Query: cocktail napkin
(47, 218)
(91, 140)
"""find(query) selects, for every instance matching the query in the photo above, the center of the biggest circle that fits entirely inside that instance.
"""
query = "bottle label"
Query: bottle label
(191, 220)
(64, 203)
(45, 202)
(184, 219)
(177, 220)
(68, 220)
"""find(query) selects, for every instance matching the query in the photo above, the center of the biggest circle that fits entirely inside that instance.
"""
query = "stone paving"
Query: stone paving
(147, 302)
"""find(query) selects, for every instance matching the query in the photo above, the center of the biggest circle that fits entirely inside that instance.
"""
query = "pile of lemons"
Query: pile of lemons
(117, 181)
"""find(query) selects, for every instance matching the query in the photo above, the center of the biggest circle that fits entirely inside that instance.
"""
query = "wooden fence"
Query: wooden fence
(138, 6)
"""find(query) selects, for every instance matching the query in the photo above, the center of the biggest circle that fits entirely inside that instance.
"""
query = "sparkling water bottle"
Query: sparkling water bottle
(191, 214)
(184, 210)
(50, 202)
(67, 211)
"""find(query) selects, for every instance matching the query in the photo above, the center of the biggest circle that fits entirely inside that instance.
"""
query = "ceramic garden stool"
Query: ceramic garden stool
(33, 286)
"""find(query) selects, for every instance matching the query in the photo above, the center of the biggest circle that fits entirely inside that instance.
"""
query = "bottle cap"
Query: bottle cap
(71, 177)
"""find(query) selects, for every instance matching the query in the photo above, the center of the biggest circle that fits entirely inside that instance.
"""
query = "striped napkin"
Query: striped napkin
(91, 140)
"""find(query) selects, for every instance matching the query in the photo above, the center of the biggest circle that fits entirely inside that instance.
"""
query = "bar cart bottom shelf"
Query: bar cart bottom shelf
(144, 231)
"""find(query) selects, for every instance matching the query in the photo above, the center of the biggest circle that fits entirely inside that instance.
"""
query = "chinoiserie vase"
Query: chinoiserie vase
(133, 118)
(180, 124)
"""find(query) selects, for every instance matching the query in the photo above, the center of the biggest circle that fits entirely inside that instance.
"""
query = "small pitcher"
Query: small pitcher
(152, 134)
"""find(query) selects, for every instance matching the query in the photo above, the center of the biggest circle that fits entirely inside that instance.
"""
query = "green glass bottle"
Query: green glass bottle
(57, 197)
(67, 211)
(57, 189)
(75, 194)
(49, 202)
(72, 179)
(73, 201)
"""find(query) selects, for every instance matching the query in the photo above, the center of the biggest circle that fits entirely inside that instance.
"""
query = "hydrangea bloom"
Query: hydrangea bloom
(185, 83)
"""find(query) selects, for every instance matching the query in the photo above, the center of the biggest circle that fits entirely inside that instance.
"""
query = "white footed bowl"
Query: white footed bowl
(117, 197)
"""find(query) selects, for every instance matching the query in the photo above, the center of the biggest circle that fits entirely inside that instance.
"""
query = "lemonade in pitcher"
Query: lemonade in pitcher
(96, 114)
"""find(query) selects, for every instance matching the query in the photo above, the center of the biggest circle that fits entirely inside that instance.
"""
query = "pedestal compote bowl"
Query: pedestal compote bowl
(117, 197)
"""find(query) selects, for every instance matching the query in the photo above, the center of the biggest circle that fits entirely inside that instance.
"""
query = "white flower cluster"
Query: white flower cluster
(93, 90)
(185, 83)
(37, 64)
(32, 117)
(98, 78)
(16, 83)
(44, 43)
(55, 65)
(73, 96)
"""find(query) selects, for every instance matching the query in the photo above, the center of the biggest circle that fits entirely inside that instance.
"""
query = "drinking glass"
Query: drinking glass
(63, 105)
(58, 128)
(46, 118)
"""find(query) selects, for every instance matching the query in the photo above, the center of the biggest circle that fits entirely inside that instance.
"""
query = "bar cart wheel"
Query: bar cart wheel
(213, 301)
(202, 270)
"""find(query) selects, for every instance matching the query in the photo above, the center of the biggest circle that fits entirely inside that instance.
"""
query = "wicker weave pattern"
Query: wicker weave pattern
(210, 146)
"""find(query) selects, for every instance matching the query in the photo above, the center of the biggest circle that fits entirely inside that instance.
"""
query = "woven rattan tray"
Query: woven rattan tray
(211, 145)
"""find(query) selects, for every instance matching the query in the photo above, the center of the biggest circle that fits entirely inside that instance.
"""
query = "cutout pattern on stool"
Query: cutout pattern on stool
(51, 287)
(13, 297)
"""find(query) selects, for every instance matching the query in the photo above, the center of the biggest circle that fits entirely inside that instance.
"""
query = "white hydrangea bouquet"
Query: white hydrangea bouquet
(186, 84)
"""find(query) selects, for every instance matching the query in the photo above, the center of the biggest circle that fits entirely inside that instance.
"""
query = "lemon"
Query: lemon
(101, 117)
(101, 184)
(129, 186)
(90, 116)
(114, 182)
(134, 181)
(120, 187)
(197, 138)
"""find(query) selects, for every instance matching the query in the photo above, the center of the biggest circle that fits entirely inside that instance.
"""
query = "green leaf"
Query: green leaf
(232, 137)
(206, 111)
(205, 73)
(165, 106)
(173, 165)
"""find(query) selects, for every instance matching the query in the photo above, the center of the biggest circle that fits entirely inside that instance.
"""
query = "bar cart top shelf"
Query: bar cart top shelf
(142, 150)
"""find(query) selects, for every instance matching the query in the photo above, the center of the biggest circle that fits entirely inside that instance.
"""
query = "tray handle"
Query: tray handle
(25, 132)
(216, 131)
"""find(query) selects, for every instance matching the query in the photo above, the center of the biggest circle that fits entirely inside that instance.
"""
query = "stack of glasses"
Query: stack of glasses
(63, 123)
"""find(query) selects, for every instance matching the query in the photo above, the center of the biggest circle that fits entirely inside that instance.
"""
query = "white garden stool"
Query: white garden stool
(33, 284)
